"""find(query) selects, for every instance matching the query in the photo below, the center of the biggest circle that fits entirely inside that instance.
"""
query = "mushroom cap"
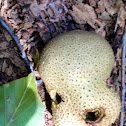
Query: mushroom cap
(75, 65)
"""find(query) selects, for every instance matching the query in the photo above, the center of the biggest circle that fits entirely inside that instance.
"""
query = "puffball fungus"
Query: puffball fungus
(75, 66)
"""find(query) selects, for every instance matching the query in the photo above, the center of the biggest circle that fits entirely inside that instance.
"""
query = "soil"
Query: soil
(38, 21)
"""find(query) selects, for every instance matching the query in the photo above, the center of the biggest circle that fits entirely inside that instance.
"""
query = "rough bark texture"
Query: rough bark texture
(12, 66)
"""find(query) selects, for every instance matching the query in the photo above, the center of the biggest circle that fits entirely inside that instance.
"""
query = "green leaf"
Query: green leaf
(20, 103)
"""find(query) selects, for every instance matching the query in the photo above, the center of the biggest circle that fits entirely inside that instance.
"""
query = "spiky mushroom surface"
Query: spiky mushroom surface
(75, 66)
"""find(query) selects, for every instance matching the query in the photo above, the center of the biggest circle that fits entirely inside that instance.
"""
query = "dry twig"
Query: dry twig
(123, 79)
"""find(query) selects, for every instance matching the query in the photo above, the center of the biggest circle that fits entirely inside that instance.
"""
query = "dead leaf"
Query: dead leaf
(119, 56)
(100, 7)
(110, 6)
(93, 3)
(53, 10)
(86, 13)
(121, 19)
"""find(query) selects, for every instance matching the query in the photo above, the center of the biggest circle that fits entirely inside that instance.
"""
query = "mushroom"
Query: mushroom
(74, 67)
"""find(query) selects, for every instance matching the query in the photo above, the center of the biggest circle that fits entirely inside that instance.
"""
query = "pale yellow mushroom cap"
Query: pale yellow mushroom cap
(76, 65)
